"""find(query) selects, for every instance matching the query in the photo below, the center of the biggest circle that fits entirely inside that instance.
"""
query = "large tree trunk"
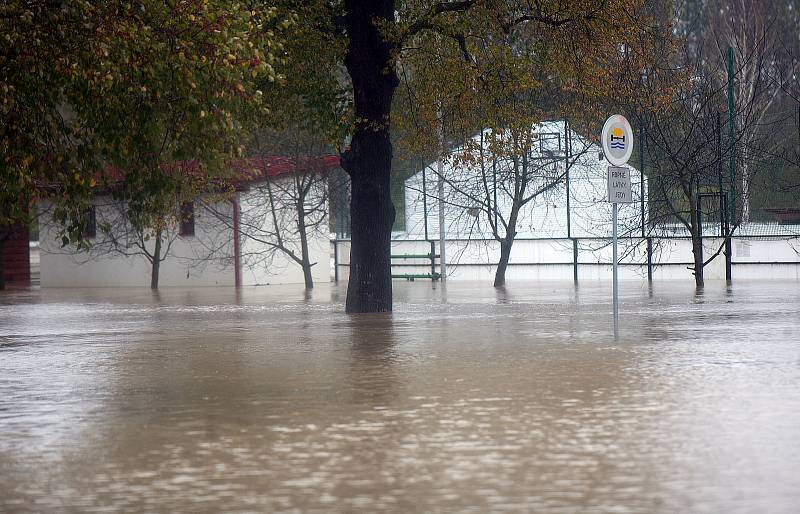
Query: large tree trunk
(304, 257)
(156, 264)
(2, 261)
(368, 161)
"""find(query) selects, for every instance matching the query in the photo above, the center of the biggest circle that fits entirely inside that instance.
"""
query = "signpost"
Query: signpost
(617, 140)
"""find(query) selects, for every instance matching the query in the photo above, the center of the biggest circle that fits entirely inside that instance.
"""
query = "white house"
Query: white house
(218, 242)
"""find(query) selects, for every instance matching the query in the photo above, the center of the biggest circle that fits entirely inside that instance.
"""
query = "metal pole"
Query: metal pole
(568, 148)
(494, 179)
(575, 261)
(425, 199)
(650, 259)
(728, 249)
(616, 284)
(731, 135)
(700, 224)
(440, 171)
(724, 227)
(335, 261)
(641, 171)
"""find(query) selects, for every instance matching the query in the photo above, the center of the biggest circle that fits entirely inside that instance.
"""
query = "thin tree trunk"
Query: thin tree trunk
(697, 248)
(156, 262)
(698, 261)
(505, 248)
(369, 159)
(505, 254)
(304, 257)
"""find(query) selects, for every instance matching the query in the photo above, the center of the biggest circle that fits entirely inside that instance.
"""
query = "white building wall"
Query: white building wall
(543, 217)
(264, 266)
(187, 265)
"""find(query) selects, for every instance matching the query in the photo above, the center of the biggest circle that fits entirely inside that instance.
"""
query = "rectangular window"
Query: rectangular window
(187, 220)
(90, 229)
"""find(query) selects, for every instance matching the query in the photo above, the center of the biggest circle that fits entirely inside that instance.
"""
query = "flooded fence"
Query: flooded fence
(753, 257)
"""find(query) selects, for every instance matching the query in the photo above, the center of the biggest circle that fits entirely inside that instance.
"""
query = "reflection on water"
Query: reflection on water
(519, 399)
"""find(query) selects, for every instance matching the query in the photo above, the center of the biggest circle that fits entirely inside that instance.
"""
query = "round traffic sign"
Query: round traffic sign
(617, 138)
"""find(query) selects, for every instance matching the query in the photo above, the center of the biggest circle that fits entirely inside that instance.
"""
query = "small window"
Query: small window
(90, 229)
(550, 143)
(187, 220)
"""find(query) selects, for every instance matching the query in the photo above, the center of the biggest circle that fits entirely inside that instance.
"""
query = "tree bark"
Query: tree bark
(2, 262)
(698, 261)
(505, 254)
(697, 248)
(368, 160)
(304, 257)
(156, 263)
(505, 248)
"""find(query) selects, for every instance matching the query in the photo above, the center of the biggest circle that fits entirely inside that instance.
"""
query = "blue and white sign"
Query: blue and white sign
(617, 140)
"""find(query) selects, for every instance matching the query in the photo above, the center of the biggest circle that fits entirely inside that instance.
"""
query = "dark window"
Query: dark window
(90, 229)
(187, 219)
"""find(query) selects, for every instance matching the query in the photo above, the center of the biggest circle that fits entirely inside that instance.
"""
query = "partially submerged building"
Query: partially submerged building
(218, 241)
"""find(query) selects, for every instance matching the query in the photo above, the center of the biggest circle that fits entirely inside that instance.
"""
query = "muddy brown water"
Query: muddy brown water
(465, 399)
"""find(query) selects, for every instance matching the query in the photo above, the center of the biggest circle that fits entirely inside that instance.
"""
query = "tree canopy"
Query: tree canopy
(89, 86)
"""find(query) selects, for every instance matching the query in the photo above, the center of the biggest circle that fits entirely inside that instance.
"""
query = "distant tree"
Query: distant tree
(688, 151)
(763, 39)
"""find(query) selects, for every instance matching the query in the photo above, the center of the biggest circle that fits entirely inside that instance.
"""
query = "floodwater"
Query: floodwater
(463, 400)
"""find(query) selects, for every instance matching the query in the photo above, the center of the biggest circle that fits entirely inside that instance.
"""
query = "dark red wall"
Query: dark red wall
(17, 256)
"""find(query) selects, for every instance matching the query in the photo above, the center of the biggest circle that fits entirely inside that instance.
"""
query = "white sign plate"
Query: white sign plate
(619, 185)
(617, 140)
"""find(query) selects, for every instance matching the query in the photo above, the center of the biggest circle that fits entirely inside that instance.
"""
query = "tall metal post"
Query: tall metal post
(494, 190)
(567, 149)
(335, 260)
(641, 172)
(425, 199)
(440, 171)
(724, 226)
(700, 224)
(616, 264)
(642, 136)
(731, 136)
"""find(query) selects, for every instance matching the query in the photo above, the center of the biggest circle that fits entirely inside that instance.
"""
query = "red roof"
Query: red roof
(255, 168)
(251, 169)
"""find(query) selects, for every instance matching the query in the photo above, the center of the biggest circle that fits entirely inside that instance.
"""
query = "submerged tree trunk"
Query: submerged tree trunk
(505, 248)
(156, 263)
(2, 262)
(505, 253)
(697, 248)
(304, 257)
(697, 251)
(368, 160)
